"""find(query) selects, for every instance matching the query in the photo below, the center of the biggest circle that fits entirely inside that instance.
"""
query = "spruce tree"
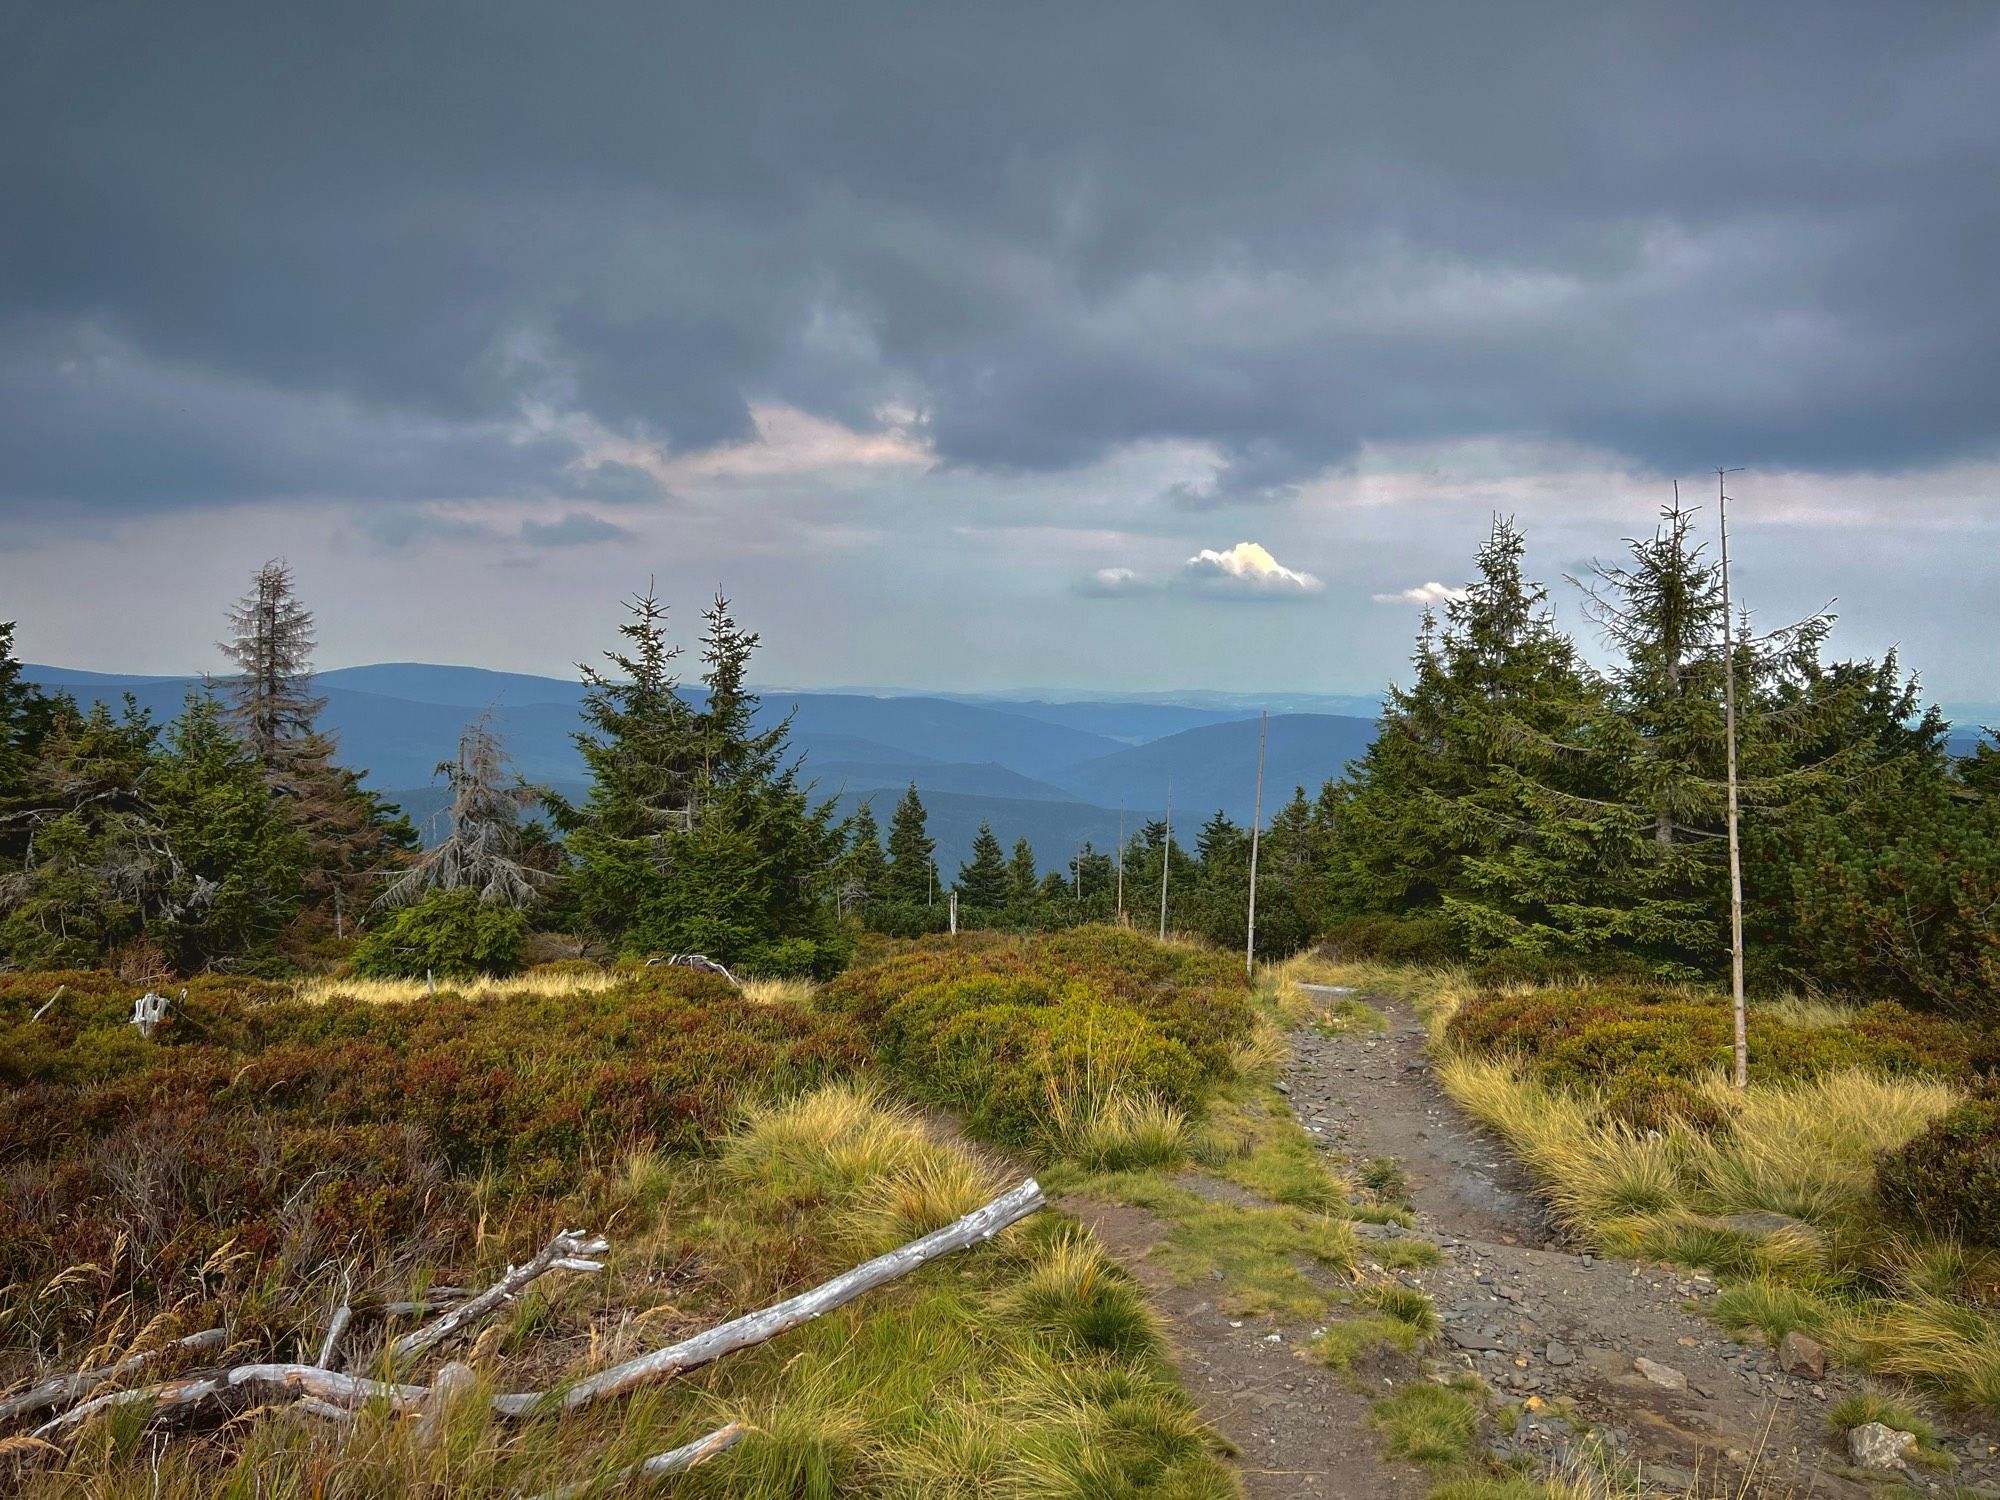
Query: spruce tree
(25, 715)
(863, 871)
(271, 702)
(1023, 886)
(1495, 684)
(983, 887)
(912, 871)
(697, 835)
(234, 862)
(354, 836)
(93, 867)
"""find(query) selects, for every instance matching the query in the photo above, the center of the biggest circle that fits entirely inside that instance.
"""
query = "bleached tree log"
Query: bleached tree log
(754, 1328)
(264, 1382)
(569, 1251)
(60, 1388)
(673, 1461)
(329, 1348)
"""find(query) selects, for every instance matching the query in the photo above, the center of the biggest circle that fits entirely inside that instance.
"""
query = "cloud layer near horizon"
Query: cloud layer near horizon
(929, 312)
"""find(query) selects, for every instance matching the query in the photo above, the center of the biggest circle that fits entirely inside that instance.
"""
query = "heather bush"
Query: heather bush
(1021, 1034)
(281, 1135)
(1948, 1178)
(1383, 938)
(1594, 1034)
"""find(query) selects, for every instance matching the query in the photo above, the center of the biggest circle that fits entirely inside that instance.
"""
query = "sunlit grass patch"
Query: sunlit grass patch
(791, 991)
(1427, 1424)
(558, 982)
(1115, 1132)
(1255, 1141)
(1408, 1254)
(1348, 1016)
(1258, 1252)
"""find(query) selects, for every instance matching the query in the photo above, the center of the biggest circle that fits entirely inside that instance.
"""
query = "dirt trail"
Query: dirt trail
(1301, 1429)
(1538, 1320)
(1542, 1324)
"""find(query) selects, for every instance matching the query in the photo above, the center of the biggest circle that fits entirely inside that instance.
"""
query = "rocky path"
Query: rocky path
(1299, 1429)
(1625, 1345)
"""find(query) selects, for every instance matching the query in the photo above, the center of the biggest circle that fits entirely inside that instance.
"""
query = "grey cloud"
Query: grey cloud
(577, 529)
(1676, 233)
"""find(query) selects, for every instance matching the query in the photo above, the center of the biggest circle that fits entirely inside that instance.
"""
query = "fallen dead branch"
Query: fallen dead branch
(331, 1392)
(569, 1251)
(754, 1328)
(60, 1388)
(264, 1382)
(674, 1461)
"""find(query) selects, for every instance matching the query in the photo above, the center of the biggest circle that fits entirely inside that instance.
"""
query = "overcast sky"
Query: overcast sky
(1095, 345)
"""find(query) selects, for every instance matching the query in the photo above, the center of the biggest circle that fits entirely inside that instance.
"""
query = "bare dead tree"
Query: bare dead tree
(271, 702)
(482, 850)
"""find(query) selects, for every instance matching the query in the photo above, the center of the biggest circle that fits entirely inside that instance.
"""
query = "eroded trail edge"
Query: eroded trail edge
(1623, 1345)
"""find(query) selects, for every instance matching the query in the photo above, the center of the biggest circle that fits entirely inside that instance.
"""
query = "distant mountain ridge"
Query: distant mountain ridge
(1052, 771)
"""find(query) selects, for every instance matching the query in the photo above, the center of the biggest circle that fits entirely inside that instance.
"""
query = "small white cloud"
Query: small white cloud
(1112, 583)
(1247, 568)
(1427, 594)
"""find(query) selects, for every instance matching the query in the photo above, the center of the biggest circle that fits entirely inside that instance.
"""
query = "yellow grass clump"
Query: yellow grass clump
(556, 984)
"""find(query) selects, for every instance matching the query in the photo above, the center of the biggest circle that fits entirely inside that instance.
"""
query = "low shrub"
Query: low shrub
(285, 1135)
(1948, 1177)
(1050, 1039)
(1589, 1035)
(447, 932)
(1393, 939)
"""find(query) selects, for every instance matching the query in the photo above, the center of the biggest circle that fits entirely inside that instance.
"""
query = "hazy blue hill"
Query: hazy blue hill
(1054, 772)
(1216, 766)
(942, 730)
(986, 780)
(466, 687)
(1132, 723)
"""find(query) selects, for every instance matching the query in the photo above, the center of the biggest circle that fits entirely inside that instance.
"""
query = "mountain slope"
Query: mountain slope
(1216, 766)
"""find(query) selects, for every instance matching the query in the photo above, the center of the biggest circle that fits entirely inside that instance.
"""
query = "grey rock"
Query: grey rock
(1873, 1445)
(1800, 1355)
(1558, 1353)
(1666, 1377)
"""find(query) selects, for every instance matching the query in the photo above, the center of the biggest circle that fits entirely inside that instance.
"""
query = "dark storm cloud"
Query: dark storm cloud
(338, 249)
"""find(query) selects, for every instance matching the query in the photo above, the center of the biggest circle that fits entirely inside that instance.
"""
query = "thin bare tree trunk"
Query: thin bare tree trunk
(1256, 830)
(1166, 860)
(1742, 1077)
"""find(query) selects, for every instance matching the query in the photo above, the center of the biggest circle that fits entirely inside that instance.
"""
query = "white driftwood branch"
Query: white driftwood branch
(336, 1326)
(48, 1002)
(754, 1328)
(674, 1461)
(60, 1388)
(568, 1251)
(266, 1382)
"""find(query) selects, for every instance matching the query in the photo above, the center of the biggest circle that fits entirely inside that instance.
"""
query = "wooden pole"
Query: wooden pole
(1121, 861)
(1166, 859)
(1256, 829)
(1742, 1078)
